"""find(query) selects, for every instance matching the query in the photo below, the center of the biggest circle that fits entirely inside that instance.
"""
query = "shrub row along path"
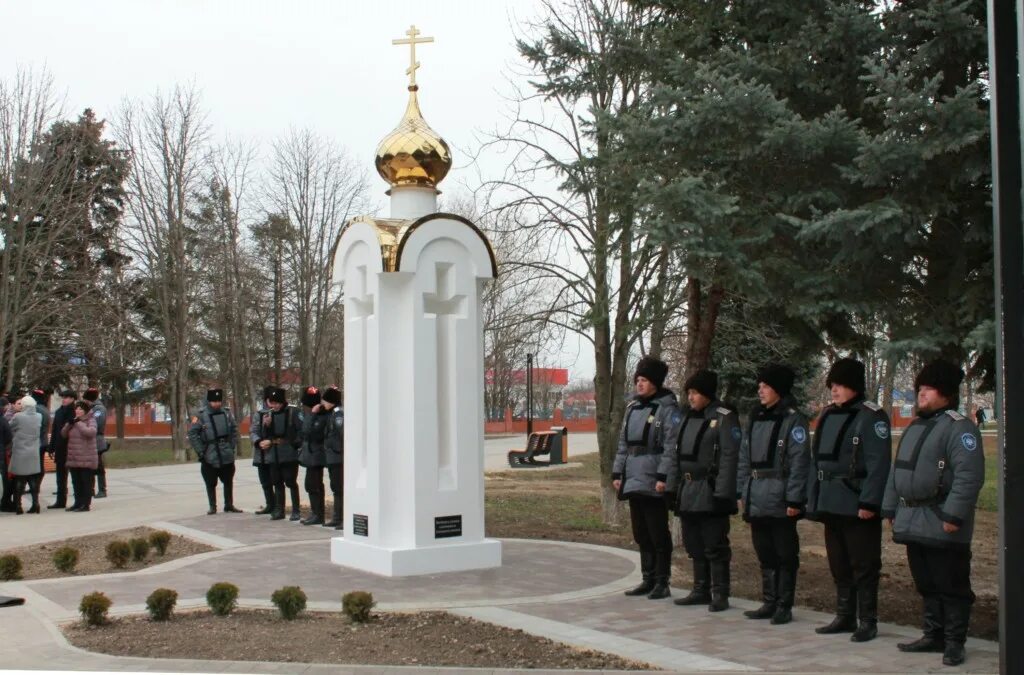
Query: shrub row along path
(569, 592)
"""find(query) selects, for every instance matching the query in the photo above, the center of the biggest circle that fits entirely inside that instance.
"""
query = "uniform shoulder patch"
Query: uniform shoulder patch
(955, 415)
(97, 414)
(871, 405)
(970, 442)
(791, 411)
(677, 418)
(722, 411)
(882, 429)
(799, 434)
(736, 433)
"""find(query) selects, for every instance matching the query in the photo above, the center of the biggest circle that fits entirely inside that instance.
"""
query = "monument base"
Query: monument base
(407, 562)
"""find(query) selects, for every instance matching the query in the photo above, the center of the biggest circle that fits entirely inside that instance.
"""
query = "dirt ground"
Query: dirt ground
(565, 504)
(37, 560)
(417, 639)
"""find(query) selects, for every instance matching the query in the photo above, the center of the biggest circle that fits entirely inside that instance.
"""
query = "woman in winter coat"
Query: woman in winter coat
(82, 456)
(25, 466)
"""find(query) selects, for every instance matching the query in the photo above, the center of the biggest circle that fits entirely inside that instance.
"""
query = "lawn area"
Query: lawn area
(132, 452)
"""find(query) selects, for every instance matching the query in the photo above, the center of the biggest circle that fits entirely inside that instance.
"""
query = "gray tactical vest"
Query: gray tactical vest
(647, 429)
(774, 460)
(702, 476)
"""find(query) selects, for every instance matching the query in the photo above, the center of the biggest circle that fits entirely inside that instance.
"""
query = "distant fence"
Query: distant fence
(518, 426)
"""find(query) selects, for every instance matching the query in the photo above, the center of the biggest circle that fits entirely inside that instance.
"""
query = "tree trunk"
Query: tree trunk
(702, 317)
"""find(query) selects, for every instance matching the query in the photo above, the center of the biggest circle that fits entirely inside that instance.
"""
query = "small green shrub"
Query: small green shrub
(222, 598)
(10, 567)
(160, 603)
(94, 607)
(160, 540)
(65, 559)
(357, 605)
(140, 548)
(290, 601)
(119, 552)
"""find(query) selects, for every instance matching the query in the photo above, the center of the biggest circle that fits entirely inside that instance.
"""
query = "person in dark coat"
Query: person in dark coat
(849, 469)
(702, 478)
(772, 481)
(930, 500)
(261, 455)
(314, 428)
(6, 437)
(282, 437)
(640, 472)
(214, 437)
(58, 446)
(334, 452)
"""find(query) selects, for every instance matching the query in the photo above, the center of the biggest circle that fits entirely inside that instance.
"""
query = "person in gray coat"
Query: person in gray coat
(214, 437)
(702, 478)
(334, 452)
(314, 427)
(26, 464)
(640, 472)
(261, 455)
(930, 500)
(42, 400)
(849, 468)
(99, 415)
(772, 480)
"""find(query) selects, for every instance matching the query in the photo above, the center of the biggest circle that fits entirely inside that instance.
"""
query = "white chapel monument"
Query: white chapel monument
(414, 414)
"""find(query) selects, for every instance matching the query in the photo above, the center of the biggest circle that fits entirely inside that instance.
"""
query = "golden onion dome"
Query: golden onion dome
(413, 154)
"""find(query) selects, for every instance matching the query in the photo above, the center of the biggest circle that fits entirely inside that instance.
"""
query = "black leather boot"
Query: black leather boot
(768, 597)
(867, 612)
(700, 594)
(662, 572)
(846, 612)
(660, 590)
(647, 570)
(786, 594)
(335, 520)
(316, 507)
(211, 497)
(957, 615)
(268, 497)
(296, 512)
(278, 513)
(229, 498)
(720, 585)
(934, 626)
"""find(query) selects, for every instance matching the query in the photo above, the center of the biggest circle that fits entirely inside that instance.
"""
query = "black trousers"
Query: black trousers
(706, 536)
(101, 473)
(649, 518)
(282, 475)
(314, 482)
(776, 542)
(263, 471)
(82, 481)
(7, 501)
(941, 572)
(337, 478)
(60, 457)
(225, 473)
(854, 549)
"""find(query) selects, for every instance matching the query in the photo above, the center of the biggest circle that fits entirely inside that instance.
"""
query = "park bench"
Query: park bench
(552, 444)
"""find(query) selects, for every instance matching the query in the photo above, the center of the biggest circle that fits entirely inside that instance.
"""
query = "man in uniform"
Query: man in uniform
(930, 500)
(314, 428)
(99, 413)
(772, 480)
(58, 447)
(641, 469)
(849, 468)
(282, 436)
(214, 437)
(334, 452)
(260, 455)
(702, 478)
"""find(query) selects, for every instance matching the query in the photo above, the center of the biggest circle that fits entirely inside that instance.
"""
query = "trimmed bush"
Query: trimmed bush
(140, 548)
(357, 605)
(10, 567)
(222, 598)
(119, 552)
(160, 603)
(160, 540)
(94, 607)
(290, 601)
(65, 559)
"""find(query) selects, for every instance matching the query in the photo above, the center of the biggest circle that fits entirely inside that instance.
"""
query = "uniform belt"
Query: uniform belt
(839, 475)
(696, 474)
(636, 450)
(758, 474)
(931, 501)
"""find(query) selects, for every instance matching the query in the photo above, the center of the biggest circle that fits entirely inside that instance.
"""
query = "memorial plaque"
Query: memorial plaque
(360, 525)
(447, 526)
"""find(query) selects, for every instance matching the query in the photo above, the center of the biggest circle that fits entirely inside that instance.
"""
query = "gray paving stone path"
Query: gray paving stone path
(564, 591)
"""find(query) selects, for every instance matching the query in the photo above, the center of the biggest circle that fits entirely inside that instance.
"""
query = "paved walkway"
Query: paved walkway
(563, 591)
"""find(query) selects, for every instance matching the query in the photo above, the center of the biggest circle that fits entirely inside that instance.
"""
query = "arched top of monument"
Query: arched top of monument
(408, 231)
(413, 154)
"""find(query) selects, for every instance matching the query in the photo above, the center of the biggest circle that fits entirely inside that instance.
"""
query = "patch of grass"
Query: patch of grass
(591, 470)
(526, 510)
(988, 499)
(134, 452)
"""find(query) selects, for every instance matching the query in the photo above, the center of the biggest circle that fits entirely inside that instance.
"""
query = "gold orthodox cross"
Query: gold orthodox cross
(412, 41)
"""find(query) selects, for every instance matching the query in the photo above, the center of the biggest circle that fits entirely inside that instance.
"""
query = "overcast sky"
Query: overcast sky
(264, 65)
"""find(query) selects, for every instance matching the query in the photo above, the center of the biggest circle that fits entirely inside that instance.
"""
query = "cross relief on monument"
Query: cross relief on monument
(362, 310)
(445, 307)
